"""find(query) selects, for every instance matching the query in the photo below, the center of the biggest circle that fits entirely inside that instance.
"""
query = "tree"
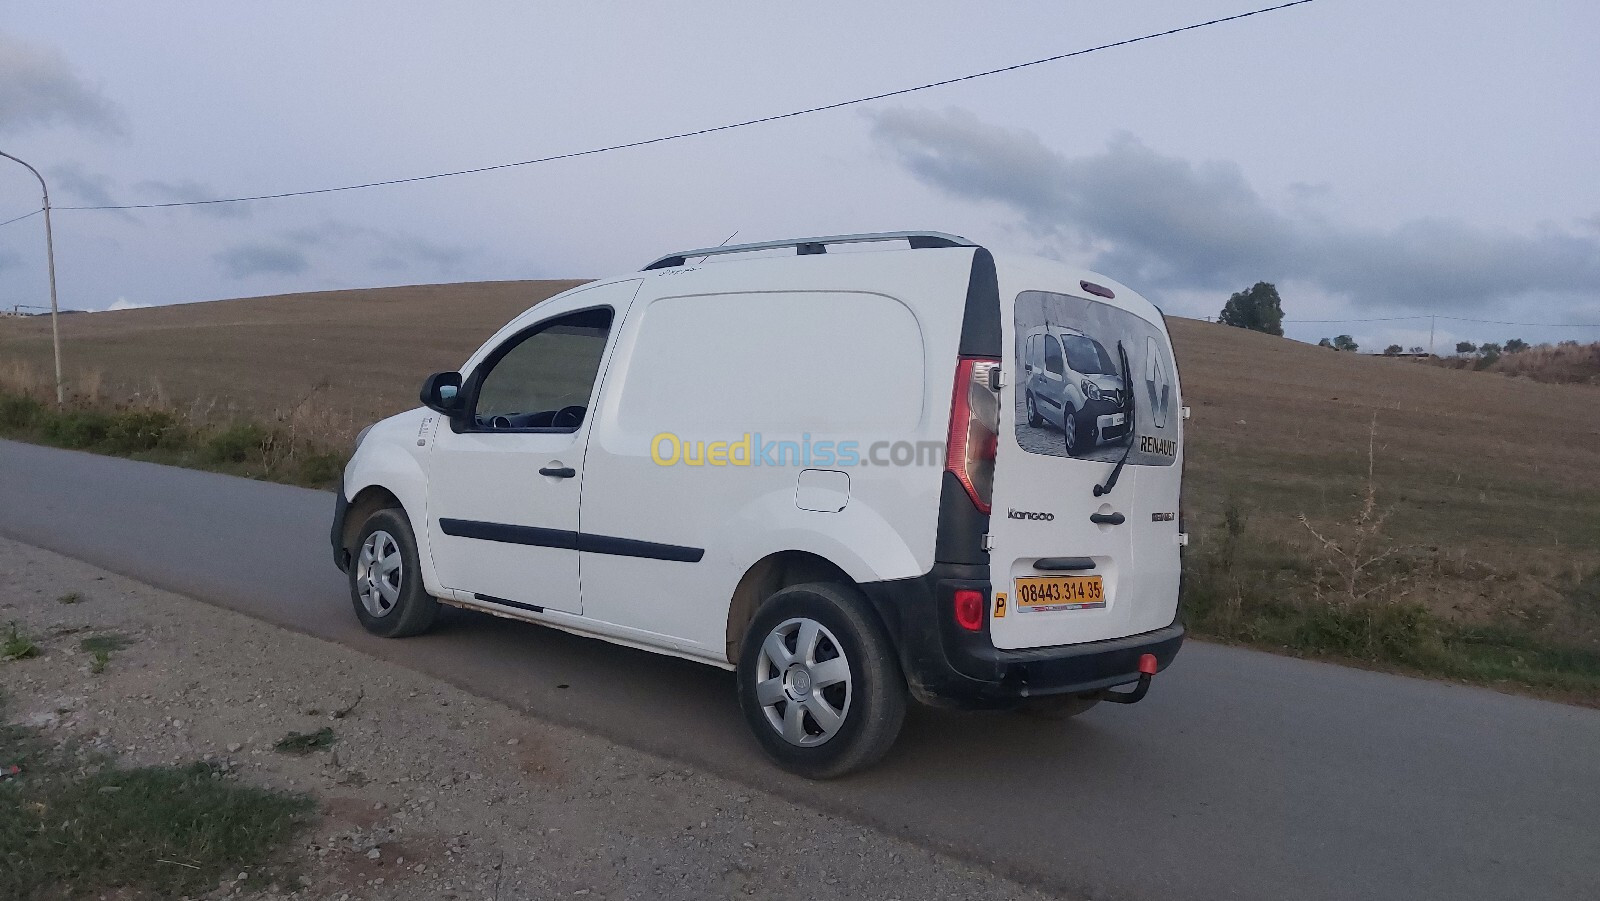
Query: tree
(1393, 350)
(1326, 342)
(1258, 309)
(1515, 345)
(1489, 349)
(1466, 347)
(1417, 349)
(1345, 342)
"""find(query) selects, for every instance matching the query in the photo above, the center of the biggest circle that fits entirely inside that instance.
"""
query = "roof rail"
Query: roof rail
(807, 246)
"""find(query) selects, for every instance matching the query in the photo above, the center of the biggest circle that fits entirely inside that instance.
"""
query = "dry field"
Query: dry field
(1492, 478)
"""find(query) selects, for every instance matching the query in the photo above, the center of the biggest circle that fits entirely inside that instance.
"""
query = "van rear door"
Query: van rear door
(1068, 566)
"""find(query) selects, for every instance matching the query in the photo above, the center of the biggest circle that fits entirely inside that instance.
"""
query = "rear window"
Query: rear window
(1079, 401)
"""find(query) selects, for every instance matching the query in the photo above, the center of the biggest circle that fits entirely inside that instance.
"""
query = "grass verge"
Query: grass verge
(72, 824)
(272, 452)
(1266, 592)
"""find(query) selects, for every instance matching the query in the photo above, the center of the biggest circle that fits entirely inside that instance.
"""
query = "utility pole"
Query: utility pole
(50, 256)
(1431, 320)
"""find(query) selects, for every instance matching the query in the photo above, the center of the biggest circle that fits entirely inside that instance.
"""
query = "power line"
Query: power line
(21, 217)
(702, 131)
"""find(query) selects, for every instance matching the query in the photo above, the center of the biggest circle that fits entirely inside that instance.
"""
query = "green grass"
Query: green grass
(1244, 587)
(72, 825)
(17, 646)
(101, 647)
(105, 642)
(300, 743)
(163, 436)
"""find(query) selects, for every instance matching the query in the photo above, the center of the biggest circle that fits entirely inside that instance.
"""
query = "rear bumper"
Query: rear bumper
(946, 665)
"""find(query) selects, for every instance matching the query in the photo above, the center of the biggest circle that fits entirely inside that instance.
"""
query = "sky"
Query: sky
(1372, 159)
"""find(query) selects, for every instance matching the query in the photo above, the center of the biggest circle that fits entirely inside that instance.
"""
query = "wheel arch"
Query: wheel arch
(767, 577)
(366, 502)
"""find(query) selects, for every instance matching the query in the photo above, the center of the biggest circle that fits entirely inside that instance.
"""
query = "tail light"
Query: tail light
(974, 429)
(969, 608)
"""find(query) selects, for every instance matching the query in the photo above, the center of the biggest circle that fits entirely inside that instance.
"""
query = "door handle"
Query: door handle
(1107, 519)
(558, 472)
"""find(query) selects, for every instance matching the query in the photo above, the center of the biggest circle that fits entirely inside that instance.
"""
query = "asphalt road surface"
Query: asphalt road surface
(1242, 775)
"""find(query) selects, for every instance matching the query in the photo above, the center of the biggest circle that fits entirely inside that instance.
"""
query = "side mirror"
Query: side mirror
(441, 392)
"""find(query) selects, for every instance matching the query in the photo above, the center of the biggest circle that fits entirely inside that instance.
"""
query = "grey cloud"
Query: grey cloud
(1168, 223)
(38, 87)
(8, 259)
(296, 250)
(245, 260)
(86, 187)
(189, 190)
(382, 249)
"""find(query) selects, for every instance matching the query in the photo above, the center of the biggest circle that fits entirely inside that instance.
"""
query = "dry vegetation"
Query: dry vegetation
(1481, 501)
(1566, 363)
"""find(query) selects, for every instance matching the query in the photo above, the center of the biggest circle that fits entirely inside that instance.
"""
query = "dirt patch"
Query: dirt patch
(427, 792)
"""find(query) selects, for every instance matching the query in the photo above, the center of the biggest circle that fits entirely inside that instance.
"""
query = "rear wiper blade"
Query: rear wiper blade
(1127, 412)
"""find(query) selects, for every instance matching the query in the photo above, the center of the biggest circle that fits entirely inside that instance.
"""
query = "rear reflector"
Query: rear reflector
(969, 609)
(974, 429)
(1147, 664)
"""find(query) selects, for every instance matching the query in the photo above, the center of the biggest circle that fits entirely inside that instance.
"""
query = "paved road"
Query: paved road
(1242, 775)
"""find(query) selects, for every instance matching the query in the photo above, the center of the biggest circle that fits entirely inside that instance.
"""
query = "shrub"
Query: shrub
(78, 428)
(19, 412)
(321, 469)
(132, 431)
(238, 443)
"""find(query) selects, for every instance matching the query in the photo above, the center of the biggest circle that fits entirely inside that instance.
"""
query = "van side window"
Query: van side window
(543, 378)
(1052, 355)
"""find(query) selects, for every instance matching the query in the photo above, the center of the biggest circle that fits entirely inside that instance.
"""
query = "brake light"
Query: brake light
(969, 609)
(974, 429)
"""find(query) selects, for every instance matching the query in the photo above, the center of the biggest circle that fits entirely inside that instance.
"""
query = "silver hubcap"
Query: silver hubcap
(379, 570)
(1072, 430)
(803, 682)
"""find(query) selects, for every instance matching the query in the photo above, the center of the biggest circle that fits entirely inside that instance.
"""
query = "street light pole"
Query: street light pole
(50, 256)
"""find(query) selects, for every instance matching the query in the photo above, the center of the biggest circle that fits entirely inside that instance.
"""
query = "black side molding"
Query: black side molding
(489, 598)
(570, 540)
(1062, 564)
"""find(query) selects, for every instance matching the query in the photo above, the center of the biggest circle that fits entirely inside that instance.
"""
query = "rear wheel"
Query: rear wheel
(1034, 419)
(819, 683)
(386, 580)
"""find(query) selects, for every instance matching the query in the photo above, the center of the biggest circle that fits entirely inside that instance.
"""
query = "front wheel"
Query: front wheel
(1077, 437)
(819, 683)
(386, 580)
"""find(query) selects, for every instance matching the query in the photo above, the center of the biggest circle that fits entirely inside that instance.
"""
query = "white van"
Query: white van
(814, 468)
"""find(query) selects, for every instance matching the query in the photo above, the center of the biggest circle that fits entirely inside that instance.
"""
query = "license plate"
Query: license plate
(1060, 593)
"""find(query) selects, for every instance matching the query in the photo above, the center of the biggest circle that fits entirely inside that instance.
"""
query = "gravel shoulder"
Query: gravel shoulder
(426, 790)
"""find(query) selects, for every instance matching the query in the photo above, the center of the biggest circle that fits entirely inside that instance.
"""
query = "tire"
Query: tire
(1057, 707)
(817, 720)
(1034, 419)
(1076, 437)
(390, 603)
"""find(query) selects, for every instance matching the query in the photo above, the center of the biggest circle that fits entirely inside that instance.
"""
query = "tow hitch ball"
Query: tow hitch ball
(1147, 670)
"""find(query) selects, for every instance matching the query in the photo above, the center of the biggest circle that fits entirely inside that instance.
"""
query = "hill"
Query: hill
(1485, 485)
